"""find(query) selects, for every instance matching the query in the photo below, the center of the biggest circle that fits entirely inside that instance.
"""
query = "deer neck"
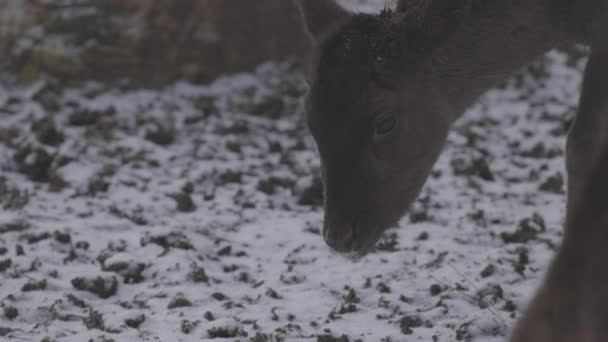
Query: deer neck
(492, 40)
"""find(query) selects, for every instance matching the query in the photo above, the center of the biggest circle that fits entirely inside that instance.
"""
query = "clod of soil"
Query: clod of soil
(509, 306)
(35, 163)
(423, 236)
(184, 202)
(229, 176)
(11, 312)
(553, 184)
(477, 167)
(11, 197)
(34, 285)
(329, 338)
(103, 287)
(5, 331)
(198, 275)
(95, 320)
(162, 135)
(259, 337)
(87, 117)
(313, 194)
(188, 326)
(132, 272)
(219, 332)
(271, 106)
(539, 151)
(135, 322)
(5, 264)
(172, 240)
(488, 271)
(270, 185)
(84, 245)
(179, 301)
(489, 295)
(47, 132)
(435, 290)
(408, 323)
(62, 237)
(528, 230)
(209, 316)
(35, 238)
(273, 294)
(219, 296)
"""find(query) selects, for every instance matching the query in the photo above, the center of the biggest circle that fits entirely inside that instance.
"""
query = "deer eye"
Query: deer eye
(384, 125)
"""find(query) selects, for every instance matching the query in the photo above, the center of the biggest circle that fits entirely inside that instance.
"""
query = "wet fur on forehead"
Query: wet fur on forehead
(369, 38)
(364, 49)
(390, 42)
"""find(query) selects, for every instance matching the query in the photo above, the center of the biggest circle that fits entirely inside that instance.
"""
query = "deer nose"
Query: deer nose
(340, 239)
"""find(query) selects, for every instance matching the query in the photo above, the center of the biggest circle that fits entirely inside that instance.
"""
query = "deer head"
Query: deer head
(376, 111)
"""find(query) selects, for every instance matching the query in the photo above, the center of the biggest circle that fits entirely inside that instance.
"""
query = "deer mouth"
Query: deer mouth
(354, 239)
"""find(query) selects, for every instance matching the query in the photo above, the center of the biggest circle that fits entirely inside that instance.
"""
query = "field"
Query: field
(194, 212)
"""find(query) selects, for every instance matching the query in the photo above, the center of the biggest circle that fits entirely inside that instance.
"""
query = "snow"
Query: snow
(268, 275)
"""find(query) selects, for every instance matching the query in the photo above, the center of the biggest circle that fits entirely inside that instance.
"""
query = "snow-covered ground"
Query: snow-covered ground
(192, 213)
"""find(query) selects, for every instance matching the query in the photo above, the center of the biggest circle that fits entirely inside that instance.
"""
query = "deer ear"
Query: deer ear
(322, 15)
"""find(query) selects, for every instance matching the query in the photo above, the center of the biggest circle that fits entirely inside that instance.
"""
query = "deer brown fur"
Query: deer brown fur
(386, 89)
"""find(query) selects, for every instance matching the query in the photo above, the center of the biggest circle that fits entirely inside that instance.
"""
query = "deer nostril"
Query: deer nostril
(340, 239)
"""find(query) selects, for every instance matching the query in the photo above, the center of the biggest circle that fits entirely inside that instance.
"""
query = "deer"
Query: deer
(572, 302)
(386, 88)
(384, 92)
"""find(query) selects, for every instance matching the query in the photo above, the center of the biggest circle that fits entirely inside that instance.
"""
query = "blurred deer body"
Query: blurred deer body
(572, 303)
(386, 88)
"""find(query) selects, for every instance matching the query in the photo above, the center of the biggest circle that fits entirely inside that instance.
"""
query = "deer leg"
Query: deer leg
(588, 135)
(571, 304)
